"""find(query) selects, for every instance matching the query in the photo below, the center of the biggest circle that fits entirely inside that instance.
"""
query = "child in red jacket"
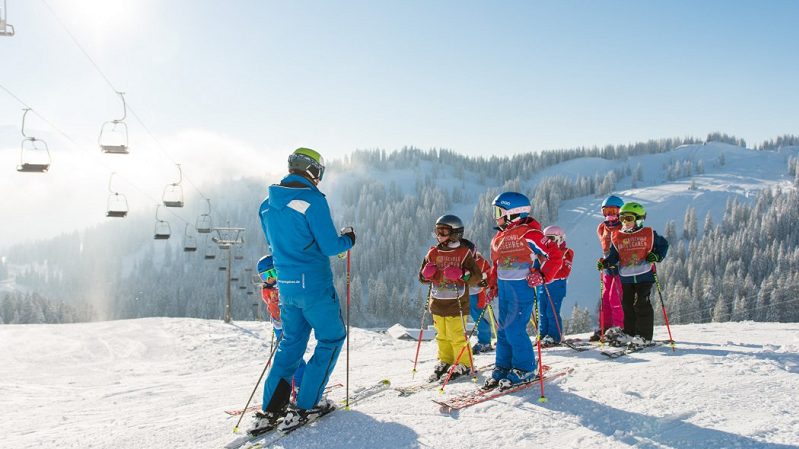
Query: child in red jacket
(551, 294)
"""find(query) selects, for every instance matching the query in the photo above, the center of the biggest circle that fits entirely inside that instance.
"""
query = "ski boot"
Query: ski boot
(296, 417)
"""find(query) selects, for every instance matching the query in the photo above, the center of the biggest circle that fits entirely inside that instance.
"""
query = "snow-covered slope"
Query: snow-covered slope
(156, 383)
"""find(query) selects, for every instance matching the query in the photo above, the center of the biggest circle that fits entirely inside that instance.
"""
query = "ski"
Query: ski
(411, 389)
(270, 437)
(628, 350)
(477, 396)
(580, 345)
(253, 408)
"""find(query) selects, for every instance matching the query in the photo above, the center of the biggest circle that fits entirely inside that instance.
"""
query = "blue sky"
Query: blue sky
(229, 88)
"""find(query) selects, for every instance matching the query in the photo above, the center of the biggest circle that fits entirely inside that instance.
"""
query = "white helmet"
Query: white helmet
(555, 233)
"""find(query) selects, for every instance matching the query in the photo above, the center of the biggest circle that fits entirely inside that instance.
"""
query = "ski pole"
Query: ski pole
(347, 407)
(540, 361)
(492, 319)
(555, 312)
(452, 368)
(421, 329)
(463, 323)
(663, 306)
(268, 362)
(601, 309)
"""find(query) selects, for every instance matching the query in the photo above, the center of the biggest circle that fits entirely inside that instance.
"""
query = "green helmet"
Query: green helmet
(307, 161)
(633, 208)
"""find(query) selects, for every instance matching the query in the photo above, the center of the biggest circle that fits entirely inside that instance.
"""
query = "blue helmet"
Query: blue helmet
(512, 205)
(266, 268)
(613, 201)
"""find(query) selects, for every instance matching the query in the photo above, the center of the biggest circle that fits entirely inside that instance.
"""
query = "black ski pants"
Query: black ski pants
(639, 317)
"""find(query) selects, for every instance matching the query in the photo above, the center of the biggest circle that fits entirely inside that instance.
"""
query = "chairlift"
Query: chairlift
(114, 134)
(238, 254)
(173, 193)
(222, 268)
(242, 287)
(6, 29)
(210, 251)
(250, 292)
(117, 203)
(204, 221)
(162, 229)
(234, 278)
(189, 241)
(33, 158)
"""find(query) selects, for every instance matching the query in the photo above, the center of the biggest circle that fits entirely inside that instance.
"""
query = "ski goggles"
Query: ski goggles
(500, 212)
(268, 275)
(628, 218)
(610, 210)
(442, 232)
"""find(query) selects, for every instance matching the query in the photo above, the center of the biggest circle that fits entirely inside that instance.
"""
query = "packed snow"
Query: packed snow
(166, 382)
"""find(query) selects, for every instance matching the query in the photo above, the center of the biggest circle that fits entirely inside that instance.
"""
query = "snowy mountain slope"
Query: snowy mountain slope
(159, 382)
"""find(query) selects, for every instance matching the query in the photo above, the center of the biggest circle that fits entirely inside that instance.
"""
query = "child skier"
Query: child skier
(611, 317)
(477, 303)
(634, 249)
(269, 293)
(516, 272)
(551, 294)
(451, 270)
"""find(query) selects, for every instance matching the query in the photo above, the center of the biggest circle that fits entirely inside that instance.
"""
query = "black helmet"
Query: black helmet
(307, 161)
(453, 223)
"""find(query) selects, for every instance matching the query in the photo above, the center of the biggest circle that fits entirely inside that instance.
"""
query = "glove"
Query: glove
(349, 232)
(535, 278)
(429, 271)
(454, 273)
(601, 264)
(652, 257)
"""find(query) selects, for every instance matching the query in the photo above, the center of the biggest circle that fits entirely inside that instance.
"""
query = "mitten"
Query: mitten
(429, 270)
(535, 278)
(601, 264)
(349, 232)
(652, 257)
(453, 273)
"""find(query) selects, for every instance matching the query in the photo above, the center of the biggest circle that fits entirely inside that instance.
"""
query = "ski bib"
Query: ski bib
(444, 288)
(512, 254)
(633, 249)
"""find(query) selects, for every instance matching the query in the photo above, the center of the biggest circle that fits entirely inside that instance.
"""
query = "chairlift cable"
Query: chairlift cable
(89, 153)
(116, 91)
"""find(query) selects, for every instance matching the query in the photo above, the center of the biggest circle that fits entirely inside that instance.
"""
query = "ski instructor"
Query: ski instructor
(300, 234)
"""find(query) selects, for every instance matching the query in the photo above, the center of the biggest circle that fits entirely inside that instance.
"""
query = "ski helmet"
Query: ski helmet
(613, 201)
(512, 205)
(633, 208)
(266, 268)
(308, 162)
(555, 233)
(453, 223)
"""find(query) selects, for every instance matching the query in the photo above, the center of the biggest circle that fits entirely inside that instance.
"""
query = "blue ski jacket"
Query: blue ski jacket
(300, 233)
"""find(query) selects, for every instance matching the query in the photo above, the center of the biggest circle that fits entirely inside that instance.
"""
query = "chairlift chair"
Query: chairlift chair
(238, 254)
(242, 287)
(6, 29)
(117, 203)
(204, 221)
(173, 193)
(189, 241)
(33, 158)
(114, 133)
(210, 251)
(162, 229)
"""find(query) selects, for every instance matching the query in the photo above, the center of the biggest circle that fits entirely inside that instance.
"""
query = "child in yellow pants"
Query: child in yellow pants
(451, 270)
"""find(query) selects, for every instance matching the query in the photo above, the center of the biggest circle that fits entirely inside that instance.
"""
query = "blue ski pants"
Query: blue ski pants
(483, 327)
(320, 312)
(278, 330)
(515, 303)
(549, 312)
